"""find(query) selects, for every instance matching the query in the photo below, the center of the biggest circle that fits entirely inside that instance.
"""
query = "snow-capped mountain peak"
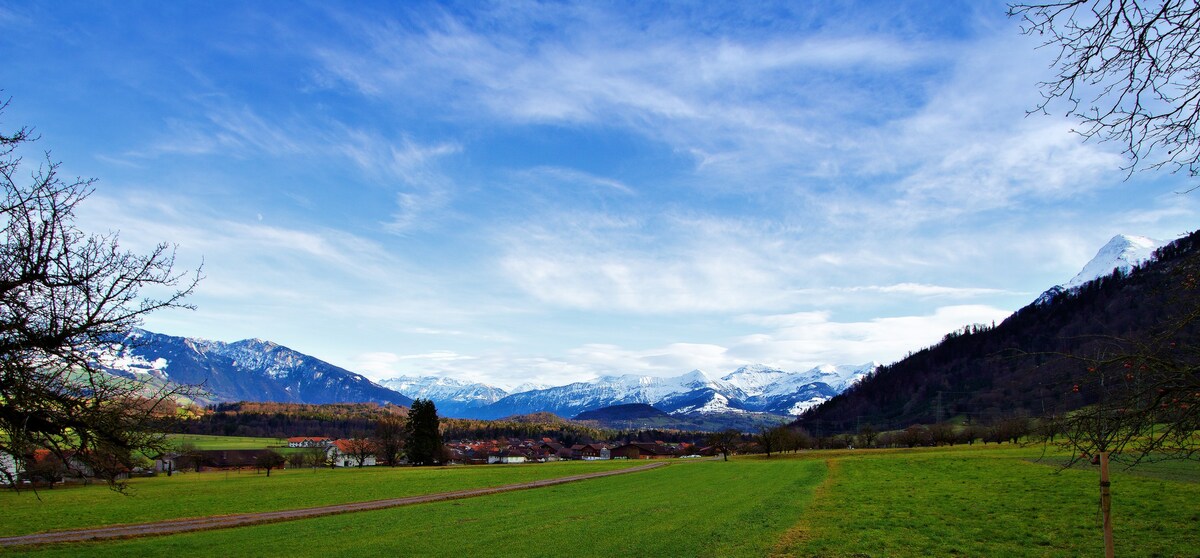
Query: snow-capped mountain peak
(754, 379)
(1122, 252)
(450, 395)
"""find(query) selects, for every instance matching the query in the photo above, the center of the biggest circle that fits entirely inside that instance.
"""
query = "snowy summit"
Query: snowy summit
(1122, 252)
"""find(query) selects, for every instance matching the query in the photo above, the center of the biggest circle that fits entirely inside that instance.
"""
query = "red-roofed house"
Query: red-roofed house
(308, 442)
(342, 453)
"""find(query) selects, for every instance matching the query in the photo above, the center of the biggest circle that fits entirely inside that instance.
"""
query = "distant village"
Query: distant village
(352, 453)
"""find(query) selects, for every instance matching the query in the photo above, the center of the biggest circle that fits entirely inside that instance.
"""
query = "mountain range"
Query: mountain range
(747, 390)
(257, 370)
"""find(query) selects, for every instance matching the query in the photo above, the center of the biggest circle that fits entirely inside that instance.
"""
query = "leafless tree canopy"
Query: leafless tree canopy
(65, 293)
(1129, 71)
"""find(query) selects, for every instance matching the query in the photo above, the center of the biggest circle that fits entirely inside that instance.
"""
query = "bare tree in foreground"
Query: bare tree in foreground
(1129, 71)
(1143, 392)
(64, 296)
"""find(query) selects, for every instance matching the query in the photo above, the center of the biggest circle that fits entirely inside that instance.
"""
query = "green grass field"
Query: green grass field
(935, 502)
(220, 493)
(203, 442)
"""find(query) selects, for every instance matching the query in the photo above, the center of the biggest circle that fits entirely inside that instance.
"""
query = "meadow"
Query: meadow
(927, 502)
(226, 492)
(206, 442)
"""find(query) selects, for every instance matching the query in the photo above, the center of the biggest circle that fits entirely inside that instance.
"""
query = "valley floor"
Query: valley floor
(933, 502)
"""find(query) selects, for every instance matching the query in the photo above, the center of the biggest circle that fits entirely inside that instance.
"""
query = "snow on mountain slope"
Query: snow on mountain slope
(529, 386)
(693, 389)
(837, 377)
(1123, 252)
(248, 370)
(258, 370)
(754, 388)
(755, 378)
(451, 397)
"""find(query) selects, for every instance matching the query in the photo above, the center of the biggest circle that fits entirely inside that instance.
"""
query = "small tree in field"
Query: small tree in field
(314, 457)
(389, 440)
(360, 448)
(270, 460)
(724, 441)
(1142, 392)
(776, 439)
(297, 460)
(866, 436)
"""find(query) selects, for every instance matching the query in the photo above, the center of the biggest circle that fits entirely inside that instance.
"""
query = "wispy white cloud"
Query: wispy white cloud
(274, 277)
(569, 177)
(409, 166)
(675, 265)
(719, 98)
(923, 290)
(424, 188)
(810, 338)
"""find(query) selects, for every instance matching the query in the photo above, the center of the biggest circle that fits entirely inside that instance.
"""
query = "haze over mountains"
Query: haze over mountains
(256, 370)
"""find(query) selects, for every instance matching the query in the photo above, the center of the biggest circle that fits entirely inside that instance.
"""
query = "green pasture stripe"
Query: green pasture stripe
(218, 493)
(966, 504)
(206, 442)
(711, 508)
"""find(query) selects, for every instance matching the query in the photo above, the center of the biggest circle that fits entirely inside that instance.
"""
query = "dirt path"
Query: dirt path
(223, 521)
(802, 530)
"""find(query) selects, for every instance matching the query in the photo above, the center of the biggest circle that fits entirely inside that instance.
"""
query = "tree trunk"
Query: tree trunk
(1106, 505)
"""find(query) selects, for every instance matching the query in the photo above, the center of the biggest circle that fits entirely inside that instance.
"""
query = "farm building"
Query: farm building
(641, 450)
(341, 452)
(308, 442)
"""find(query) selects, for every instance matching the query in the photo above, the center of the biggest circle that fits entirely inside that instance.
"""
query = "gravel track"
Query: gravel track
(173, 526)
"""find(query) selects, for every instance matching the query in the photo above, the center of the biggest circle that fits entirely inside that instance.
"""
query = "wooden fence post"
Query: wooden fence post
(1106, 505)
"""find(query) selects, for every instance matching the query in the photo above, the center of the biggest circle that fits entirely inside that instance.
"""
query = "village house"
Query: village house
(592, 452)
(341, 453)
(308, 442)
(9, 468)
(511, 455)
(554, 451)
(641, 450)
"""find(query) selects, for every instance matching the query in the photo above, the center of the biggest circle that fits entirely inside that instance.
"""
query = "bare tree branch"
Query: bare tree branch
(1128, 71)
(65, 295)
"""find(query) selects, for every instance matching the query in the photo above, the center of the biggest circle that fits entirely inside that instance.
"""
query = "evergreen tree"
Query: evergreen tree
(424, 445)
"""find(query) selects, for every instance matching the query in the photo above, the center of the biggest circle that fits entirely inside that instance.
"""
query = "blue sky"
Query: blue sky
(548, 192)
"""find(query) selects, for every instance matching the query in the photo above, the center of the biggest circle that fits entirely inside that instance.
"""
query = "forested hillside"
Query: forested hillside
(1024, 365)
